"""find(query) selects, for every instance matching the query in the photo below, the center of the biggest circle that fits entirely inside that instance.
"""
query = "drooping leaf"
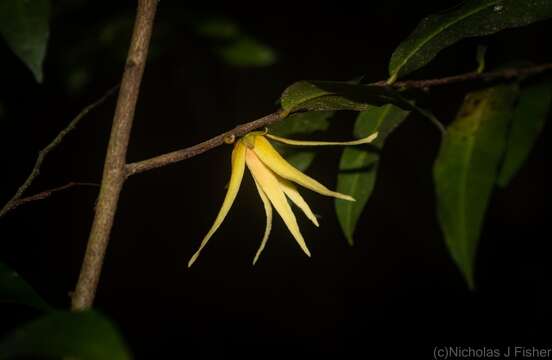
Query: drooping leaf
(300, 126)
(527, 123)
(472, 18)
(61, 334)
(358, 165)
(466, 169)
(13, 289)
(331, 96)
(24, 26)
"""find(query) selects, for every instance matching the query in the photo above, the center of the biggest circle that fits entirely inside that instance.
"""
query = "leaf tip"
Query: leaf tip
(467, 270)
(470, 281)
(192, 260)
(38, 74)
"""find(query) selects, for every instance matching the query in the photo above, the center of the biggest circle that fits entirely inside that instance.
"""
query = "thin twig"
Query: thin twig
(503, 74)
(46, 193)
(51, 146)
(114, 173)
(183, 154)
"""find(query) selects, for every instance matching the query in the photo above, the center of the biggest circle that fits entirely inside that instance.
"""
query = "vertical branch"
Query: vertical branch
(114, 172)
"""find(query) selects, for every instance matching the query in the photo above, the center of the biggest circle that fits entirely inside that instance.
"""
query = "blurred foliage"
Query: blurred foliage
(85, 335)
(105, 42)
(231, 44)
(15, 290)
(247, 52)
(24, 26)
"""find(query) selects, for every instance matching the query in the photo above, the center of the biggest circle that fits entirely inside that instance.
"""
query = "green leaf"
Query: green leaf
(472, 18)
(84, 335)
(300, 126)
(300, 159)
(358, 165)
(466, 169)
(330, 96)
(527, 123)
(13, 289)
(24, 26)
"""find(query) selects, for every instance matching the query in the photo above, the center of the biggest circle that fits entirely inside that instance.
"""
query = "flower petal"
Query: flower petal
(291, 191)
(365, 140)
(268, 212)
(272, 188)
(238, 168)
(271, 158)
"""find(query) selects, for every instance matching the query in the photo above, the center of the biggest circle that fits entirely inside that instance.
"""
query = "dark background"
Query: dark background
(396, 291)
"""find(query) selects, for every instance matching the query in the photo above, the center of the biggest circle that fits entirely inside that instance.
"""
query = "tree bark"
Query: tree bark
(114, 172)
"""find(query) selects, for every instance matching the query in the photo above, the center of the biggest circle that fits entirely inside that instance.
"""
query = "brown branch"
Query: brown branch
(179, 155)
(47, 193)
(51, 146)
(183, 154)
(503, 74)
(114, 173)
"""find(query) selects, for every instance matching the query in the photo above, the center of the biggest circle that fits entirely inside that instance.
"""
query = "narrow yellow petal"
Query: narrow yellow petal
(268, 227)
(291, 191)
(365, 140)
(271, 158)
(238, 168)
(271, 186)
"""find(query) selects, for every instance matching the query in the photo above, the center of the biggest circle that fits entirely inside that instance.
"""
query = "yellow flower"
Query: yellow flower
(274, 178)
